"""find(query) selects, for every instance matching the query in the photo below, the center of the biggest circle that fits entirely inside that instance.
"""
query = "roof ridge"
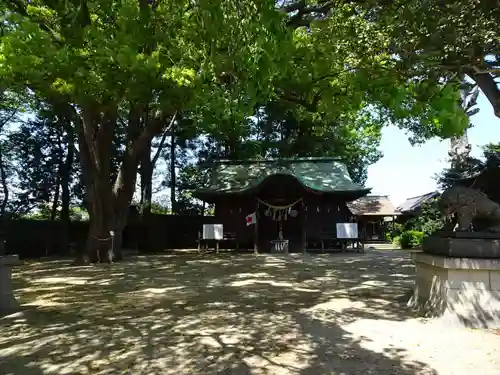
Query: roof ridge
(380, 205)
(423, 195)
(273, 160)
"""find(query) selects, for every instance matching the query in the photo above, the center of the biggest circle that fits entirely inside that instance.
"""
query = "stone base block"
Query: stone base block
(8, 303)
(463, 245)
(461, 290)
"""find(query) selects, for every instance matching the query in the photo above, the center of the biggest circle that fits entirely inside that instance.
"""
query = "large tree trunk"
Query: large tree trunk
(109, 203)
(3, 173)
(146, 198)
(147, 168)
(59, 130)
(173, 182)
(95, 138)
(65, 191)
(5, 187)
(66, 175)
(3, 204)
(55, 201)
(53, 239)
(102, 216)
(101, 228)
(108, 211)
(146, 182)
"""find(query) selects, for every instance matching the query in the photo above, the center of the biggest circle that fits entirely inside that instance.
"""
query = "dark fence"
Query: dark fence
(38, 238)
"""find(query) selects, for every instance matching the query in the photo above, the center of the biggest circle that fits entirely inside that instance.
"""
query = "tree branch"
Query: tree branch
(293, 6)
(306, 13)
(312, 107)
(301, 6)
(484, 70)
(163, 138)
(8, 118)
(489, 87)
(19, 7)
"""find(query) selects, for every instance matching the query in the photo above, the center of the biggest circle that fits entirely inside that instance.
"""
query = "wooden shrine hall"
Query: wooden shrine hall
(285, 205)
(376, 216)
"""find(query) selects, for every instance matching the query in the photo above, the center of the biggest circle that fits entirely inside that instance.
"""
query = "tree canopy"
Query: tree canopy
(428, 40)
(218, 79)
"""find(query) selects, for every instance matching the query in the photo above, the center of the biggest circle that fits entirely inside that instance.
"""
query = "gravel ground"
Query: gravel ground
(233, 314)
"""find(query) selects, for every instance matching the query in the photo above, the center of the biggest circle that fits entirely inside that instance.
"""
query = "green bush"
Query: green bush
(396, 240)
(410, 239)
(388, 237)
(394, 233)
(428, 221)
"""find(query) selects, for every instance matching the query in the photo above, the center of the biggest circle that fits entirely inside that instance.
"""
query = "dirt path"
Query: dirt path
(313, 315)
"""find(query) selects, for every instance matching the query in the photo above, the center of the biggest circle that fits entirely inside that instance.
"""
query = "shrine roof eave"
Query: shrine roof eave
(323, 176)
(211, 196)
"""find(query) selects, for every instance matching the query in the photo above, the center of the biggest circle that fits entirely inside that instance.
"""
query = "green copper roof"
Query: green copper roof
(320, 174)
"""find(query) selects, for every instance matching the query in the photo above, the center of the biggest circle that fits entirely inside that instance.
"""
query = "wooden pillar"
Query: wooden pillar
(385, 226)
(381, 225)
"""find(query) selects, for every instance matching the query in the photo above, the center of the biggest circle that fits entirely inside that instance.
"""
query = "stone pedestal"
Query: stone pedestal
(8, 302)
(463, 291)
(463, 244)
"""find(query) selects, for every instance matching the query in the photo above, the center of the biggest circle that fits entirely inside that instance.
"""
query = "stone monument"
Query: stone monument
(8, 303)
(458, 272)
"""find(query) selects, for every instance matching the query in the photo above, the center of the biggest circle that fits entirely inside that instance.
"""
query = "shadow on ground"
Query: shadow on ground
(191, 314)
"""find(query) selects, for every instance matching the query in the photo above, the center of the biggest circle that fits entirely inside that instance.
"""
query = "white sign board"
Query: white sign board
(213, 232)
(347, 230)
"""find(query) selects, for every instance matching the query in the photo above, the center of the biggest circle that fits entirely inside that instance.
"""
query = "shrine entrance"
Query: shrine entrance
(280, 214)
(280, 222)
